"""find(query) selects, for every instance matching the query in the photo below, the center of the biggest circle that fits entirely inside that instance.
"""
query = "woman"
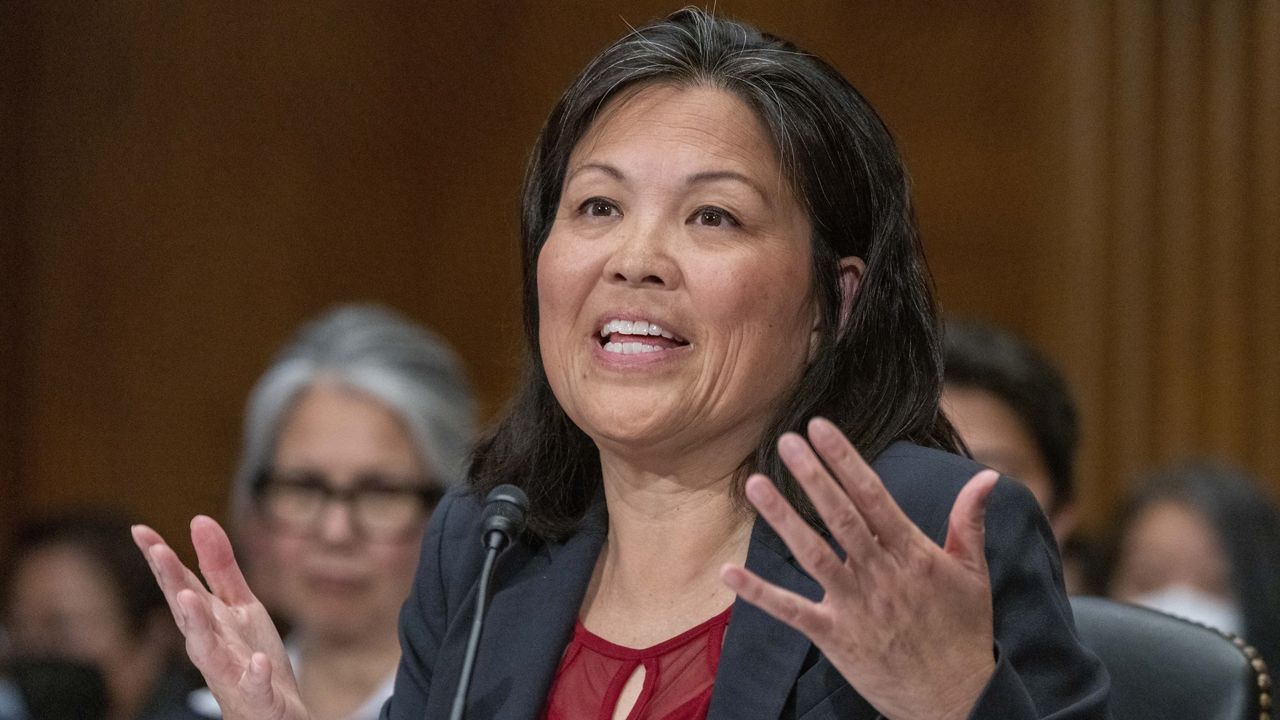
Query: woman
(350, 439)
(87, 625)
(718, 246)
(1203, 542)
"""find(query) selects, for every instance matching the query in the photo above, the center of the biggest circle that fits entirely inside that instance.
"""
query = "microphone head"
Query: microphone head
(503, 517)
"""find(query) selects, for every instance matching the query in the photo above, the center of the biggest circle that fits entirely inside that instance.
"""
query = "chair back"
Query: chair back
(1166, 667)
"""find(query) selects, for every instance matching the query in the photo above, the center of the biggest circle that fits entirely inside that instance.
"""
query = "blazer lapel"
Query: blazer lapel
(748, 687)
(536, 598)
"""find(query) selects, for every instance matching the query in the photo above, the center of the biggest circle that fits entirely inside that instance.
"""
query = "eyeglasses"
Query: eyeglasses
(381, 507)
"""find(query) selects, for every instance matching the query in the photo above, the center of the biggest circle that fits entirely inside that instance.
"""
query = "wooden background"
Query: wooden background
(182, 184)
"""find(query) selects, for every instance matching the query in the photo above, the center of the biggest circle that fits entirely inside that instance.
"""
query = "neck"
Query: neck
(668, 531)
(131, 686)
(340, 674)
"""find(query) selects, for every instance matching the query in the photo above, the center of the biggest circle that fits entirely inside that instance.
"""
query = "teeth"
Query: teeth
(634, 327)
(630, 348)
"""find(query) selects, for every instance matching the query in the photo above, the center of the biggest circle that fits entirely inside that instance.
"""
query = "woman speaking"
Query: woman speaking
(724, 296)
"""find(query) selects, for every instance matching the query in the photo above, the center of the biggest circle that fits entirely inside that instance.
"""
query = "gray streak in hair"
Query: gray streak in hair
(378, 352)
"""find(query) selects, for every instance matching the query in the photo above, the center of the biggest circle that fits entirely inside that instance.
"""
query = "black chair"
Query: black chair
(1165, 667)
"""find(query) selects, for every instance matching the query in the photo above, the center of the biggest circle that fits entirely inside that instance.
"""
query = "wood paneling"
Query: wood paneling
(1174, 353)
(195, 180)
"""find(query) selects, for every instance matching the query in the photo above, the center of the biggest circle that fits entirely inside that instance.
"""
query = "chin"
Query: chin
(614, 426)
(334, 620)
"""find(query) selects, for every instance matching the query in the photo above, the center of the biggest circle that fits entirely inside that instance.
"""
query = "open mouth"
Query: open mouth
(632, 337)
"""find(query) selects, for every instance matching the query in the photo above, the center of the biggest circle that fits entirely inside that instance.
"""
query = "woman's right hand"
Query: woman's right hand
(229, 635)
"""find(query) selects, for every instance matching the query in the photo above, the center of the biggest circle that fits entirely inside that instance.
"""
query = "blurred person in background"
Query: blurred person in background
(1015, 413)
(350, 439)
(89, 634)
(1202, 541)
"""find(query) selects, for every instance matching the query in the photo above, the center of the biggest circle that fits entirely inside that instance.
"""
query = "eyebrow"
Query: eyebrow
(701, 178)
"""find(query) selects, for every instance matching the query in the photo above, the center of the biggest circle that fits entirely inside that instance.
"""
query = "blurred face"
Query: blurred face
(329, 575)
(1169, 544)
(673, 289)
(998, 439)
(63, 604)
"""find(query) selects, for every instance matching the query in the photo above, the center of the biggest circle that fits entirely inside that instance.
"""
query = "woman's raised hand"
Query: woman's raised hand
(907, 623)
(229, 635)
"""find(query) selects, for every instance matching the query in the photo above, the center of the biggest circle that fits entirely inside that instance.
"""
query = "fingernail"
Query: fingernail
(731, 577)
(790, 446)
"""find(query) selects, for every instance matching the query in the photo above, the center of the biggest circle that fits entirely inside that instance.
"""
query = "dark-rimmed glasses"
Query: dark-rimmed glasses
(381, 507)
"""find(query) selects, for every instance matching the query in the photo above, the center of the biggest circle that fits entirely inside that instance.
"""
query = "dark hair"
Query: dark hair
(1247, 523)
(878, 377)
(105, 539)
(996, 361)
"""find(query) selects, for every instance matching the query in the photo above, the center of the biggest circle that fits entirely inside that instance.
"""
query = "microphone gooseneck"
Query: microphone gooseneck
(501, 522)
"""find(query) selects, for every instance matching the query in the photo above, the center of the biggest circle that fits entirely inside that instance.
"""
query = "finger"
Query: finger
(884, 518)
(967, 525)
(218, 561)
(795, 610)
(173, 577)
(813, 553)
(256, 682)
(830, 500)
(144, 537)
(211, 656)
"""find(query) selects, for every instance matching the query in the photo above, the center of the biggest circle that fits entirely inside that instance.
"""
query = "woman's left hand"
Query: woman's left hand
(907, 623)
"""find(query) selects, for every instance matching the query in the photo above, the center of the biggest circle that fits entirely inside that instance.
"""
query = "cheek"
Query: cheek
(565, 278)
(396, 564)
(772, 308)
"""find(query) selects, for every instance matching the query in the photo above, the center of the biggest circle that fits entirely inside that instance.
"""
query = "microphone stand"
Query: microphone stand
(477, 623)
(503, 519)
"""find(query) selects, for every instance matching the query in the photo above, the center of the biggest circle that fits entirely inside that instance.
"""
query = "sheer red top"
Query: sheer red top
(678, 675)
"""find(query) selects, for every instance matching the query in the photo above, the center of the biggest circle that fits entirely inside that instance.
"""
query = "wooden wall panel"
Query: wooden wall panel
(198, 179)
(1171, 126)
(15, 359)
(1263, 372)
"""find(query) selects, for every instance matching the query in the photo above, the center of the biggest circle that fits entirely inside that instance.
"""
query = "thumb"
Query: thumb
(967, 528)
(255, 683)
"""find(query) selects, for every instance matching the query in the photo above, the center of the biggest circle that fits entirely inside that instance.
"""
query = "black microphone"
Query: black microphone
(501, 522)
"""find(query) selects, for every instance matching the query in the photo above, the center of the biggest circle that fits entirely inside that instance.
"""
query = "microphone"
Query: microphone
(501, 521)
(503, 516)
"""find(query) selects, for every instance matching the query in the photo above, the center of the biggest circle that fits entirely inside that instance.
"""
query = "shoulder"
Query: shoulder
(925, 482)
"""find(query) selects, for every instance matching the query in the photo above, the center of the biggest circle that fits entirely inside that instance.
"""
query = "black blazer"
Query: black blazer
(767, 670)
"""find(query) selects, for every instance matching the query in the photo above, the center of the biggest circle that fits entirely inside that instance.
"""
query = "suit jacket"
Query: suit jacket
(767, 670)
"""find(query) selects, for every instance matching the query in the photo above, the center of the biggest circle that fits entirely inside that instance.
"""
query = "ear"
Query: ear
(850, 272)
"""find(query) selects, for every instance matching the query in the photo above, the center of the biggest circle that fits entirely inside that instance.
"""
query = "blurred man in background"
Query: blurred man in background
(1015, 413)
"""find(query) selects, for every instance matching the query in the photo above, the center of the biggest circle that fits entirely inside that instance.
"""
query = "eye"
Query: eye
(598, 207)
(713, 217)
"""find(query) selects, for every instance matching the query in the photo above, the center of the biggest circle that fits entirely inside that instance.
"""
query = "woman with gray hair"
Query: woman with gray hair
(350, 439)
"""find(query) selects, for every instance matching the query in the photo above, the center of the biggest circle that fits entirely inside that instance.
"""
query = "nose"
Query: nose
(337, 522)
(643, 258)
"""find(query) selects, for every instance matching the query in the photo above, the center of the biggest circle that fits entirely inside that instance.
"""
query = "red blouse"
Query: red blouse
(678, 675)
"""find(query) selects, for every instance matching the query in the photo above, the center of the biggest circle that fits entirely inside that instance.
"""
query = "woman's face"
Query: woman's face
(1172, 559)
(674, 287)
(329, 577)
(64, 604)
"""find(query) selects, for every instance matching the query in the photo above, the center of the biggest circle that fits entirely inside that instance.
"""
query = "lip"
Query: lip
(334, 579)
